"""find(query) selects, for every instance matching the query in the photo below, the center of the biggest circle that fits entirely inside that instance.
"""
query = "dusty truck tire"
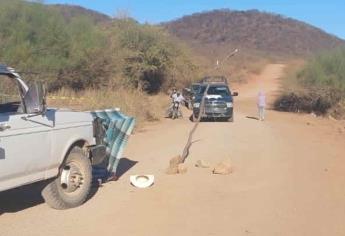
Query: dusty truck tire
(72, 186)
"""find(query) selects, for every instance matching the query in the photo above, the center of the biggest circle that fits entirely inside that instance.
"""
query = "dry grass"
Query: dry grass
(131, 102)
(290, 80)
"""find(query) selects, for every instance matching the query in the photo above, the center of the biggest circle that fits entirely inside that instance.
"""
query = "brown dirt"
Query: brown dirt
(288, 179)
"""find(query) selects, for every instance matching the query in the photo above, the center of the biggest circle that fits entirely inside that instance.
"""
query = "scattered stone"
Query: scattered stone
(172, 171)
(223, 168)
(202, 164)
(182, 168)
(173, 165)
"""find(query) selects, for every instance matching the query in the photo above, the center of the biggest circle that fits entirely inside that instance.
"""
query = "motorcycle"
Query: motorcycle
(176, 113)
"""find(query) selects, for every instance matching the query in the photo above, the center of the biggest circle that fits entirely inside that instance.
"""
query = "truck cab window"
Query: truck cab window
(10, 101)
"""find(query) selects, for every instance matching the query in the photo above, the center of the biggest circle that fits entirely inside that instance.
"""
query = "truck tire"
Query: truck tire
(72, 186)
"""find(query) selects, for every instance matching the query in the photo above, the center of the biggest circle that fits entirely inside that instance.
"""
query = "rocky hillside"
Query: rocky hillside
(251, 30)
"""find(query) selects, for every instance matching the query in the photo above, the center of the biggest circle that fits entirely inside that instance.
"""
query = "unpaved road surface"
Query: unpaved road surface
(288, 179)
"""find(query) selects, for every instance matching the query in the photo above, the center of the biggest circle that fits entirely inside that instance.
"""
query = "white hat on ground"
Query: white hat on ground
(142, 181)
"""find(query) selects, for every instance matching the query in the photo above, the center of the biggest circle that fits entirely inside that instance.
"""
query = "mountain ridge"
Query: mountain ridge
(261, 31)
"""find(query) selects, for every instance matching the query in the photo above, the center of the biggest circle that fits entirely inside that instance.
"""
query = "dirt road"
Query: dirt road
(289, 179)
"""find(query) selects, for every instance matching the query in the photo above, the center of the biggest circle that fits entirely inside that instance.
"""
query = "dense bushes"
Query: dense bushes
(303, 102)
(147, 57)
(322, 81)
(79, 53)
(326, 72)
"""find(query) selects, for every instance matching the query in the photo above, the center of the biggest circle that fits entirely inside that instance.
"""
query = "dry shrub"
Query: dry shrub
(308, 101)
(338, 111)
(132, 102)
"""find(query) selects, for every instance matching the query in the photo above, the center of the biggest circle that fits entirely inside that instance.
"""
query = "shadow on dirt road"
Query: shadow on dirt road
(25, 197)
(18, 199)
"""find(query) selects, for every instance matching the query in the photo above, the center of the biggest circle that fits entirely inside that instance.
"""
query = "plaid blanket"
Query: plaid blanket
(118, 128)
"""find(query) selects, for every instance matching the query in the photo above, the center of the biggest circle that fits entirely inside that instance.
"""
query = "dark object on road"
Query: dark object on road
(252, 117)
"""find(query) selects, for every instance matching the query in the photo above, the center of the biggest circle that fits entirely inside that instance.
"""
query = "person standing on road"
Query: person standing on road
(261, 103)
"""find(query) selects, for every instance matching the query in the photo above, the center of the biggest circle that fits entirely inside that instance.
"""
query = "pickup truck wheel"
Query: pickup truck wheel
(72, 186)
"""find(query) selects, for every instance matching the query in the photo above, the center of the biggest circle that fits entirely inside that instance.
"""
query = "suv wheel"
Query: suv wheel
(72, 186)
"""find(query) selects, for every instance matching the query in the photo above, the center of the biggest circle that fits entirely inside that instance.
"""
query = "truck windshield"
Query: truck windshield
(216, 90)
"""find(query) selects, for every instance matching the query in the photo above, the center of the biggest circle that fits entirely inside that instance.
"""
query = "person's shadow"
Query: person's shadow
(125, 165)
(252, 117)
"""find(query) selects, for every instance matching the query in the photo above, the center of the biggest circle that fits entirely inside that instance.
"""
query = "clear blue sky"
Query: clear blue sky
(327, 15)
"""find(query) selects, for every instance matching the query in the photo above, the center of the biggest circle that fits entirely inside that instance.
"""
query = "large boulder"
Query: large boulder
(202, 164)
(174, 163)
(223, 168)
(182, 168)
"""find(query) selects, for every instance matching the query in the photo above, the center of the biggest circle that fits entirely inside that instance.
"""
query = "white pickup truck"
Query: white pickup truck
(39, 143)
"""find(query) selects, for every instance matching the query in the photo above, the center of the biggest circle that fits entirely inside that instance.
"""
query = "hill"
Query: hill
(252, 31)
(73, 11)
(68, 46)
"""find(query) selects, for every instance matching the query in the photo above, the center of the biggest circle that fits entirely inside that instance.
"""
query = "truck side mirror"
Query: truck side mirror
(235, 94)
(34, 99)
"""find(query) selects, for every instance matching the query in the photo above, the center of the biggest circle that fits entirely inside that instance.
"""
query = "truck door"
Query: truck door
(24, 143)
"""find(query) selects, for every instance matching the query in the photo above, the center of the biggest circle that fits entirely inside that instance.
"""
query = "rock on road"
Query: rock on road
(288, 179)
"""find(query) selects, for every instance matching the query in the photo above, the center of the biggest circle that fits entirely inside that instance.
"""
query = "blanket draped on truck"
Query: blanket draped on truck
(117, 127)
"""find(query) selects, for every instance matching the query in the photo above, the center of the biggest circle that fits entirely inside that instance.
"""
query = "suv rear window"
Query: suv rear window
(216, 90)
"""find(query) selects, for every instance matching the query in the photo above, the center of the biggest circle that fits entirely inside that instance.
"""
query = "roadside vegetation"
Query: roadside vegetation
(316, 86)
(115, 63)
(132, 102)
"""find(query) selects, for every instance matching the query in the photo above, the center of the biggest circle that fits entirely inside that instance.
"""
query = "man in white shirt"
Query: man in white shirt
(178, 97)
(175, 96)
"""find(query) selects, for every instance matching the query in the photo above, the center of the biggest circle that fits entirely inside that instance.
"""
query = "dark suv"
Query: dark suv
(189, 94)
(218, 100)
